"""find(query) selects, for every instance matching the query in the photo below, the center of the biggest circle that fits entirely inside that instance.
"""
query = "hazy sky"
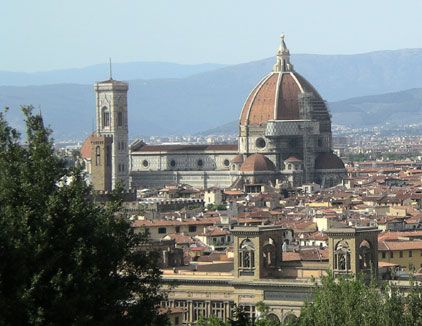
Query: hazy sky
(51, 34)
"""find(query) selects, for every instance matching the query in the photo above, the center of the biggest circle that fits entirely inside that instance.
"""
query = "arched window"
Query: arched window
(247, 254)
(365, 256)
(97, 156)
(105, 116)
(342, 257)
(268, 252)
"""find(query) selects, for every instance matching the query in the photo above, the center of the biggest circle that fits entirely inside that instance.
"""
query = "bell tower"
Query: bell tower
(257, 251)
(112, 122)
(353, 250)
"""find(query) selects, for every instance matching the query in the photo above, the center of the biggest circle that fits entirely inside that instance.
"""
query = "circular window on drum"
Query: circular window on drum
(200, 163)
(260, 142)
(226, 162)
(145, 163)
(172, 163)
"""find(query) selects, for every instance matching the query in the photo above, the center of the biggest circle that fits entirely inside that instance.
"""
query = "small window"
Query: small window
(192, 228)
(383, 254)
(391, 254)
(145, 163)
(401, 254)
(410, 253)
(98, 156)
(200, 163)
(162, 230)
(177, 229)
(226, 162)
(172, 163)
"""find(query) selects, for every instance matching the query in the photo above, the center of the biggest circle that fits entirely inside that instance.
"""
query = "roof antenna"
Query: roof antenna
(111, 71)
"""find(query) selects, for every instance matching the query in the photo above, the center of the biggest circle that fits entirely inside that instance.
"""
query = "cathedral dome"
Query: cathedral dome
(257, 163)
(277, 95)
(328, 161)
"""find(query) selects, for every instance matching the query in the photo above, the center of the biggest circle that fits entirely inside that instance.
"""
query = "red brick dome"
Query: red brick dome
(257, 163)
(276, 97)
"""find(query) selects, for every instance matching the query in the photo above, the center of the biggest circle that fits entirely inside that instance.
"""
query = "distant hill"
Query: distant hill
(210, 99)
(90, 74)
(392, 108)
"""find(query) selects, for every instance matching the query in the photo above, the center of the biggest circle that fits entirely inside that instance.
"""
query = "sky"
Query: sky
(57, 34)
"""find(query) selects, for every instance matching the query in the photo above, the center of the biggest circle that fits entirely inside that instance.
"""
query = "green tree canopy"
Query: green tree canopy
(350, 301)
(63, 259)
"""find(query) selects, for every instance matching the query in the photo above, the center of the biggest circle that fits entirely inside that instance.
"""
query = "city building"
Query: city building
(284, 141)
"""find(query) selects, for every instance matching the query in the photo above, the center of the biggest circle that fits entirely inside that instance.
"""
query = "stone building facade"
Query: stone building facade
(284, 120)
(261, 271)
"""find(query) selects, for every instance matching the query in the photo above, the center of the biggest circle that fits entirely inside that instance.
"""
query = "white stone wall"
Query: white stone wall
(183, 161)
(199, 179)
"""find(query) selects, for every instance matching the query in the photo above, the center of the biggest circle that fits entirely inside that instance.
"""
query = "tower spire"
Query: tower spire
(283, 57)
(110, 70)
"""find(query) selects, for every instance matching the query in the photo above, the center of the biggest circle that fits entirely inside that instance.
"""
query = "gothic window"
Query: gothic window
(342, 257)
(247, 254)
(106, 117)
(97, 156)
(365, 256)
(120, 119)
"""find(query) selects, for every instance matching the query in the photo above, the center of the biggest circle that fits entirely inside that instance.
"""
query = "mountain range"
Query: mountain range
(362, 90)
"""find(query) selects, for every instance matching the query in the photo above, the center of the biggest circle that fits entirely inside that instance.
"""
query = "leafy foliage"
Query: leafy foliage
(349, 301)
(64, 259)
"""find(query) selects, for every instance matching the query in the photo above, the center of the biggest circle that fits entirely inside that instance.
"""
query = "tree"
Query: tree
(211, 321)
(350, 301)
(64, 259)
